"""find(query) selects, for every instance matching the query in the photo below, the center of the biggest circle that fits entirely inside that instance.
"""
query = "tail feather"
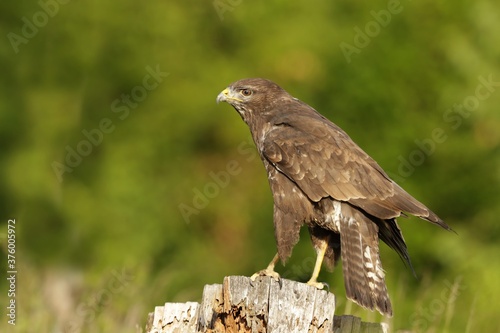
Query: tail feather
(364, 277)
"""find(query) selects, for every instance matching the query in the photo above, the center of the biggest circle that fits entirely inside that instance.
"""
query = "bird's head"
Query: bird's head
(251, 96)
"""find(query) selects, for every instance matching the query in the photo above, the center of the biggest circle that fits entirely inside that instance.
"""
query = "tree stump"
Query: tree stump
(265, 305)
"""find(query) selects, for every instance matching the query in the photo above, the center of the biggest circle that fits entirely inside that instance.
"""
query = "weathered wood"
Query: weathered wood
(351, 324)
(175, 317)
(210, 306)
(265, 305)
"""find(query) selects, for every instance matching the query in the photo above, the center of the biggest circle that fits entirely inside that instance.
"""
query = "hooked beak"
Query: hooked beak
(228, 95)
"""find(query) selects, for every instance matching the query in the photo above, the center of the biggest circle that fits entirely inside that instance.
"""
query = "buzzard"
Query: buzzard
(319, 177)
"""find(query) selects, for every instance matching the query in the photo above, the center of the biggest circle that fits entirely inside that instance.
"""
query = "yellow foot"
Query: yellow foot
(319, 285)
(266, 272)
(269, 271)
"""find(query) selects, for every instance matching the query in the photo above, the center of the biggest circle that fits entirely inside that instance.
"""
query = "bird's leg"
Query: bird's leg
(313, 281)
(269, 271)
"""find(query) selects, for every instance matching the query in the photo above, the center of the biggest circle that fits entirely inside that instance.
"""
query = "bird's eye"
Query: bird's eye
(245, 92)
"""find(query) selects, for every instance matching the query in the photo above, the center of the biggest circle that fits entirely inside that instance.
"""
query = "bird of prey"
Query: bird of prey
(321, 178)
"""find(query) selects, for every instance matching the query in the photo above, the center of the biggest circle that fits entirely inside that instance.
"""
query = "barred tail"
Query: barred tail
(363, 274)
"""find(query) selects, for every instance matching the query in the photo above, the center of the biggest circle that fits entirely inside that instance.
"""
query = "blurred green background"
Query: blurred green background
(130, 187)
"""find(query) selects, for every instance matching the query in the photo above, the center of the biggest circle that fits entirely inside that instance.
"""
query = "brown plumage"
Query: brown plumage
(319, 177)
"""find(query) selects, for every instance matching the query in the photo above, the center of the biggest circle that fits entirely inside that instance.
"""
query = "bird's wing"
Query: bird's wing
(324, 162)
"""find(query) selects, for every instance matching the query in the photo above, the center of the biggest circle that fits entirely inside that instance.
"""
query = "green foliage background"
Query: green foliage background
(100, 247)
